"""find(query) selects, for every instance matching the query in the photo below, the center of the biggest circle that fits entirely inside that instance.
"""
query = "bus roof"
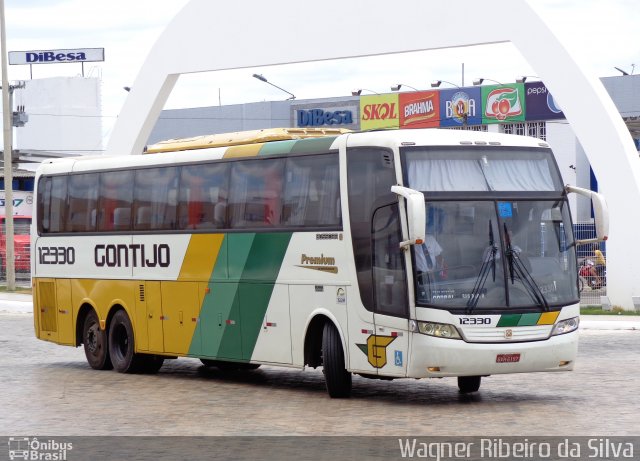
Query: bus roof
(242, 138)
(282, 141)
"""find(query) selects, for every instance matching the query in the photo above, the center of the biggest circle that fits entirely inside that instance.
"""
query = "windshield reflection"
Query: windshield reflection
(496, 254)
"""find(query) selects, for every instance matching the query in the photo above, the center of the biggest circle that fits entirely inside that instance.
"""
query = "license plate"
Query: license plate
(507, 358)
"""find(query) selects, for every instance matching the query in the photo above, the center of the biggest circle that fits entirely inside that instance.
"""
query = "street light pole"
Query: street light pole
(7, 127)
(262, 78)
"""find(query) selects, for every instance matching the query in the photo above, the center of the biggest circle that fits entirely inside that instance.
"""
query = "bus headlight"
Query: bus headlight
(566, 326)
(439, 330)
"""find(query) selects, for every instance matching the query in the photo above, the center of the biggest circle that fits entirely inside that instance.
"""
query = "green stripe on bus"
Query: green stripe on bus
(312, 145)
(528, 320)
(509, 320)
(232, 313)
(265, 261)
(220, 313)
(275, 148)
(238, 253)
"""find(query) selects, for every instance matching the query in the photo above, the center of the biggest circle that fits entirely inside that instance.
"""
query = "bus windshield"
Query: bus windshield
(496, 254)
(480, 169)
(486, 249)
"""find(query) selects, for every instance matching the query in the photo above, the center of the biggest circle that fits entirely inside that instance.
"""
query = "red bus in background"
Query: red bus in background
(21, 243)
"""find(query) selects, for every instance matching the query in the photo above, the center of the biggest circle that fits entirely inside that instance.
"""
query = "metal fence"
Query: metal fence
(22, 265)
(592, 279)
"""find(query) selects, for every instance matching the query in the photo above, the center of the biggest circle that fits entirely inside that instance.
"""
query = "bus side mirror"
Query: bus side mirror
(416, 215)
(600, 213)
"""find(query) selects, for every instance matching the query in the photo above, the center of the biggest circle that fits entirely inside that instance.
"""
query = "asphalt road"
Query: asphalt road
(50, 389)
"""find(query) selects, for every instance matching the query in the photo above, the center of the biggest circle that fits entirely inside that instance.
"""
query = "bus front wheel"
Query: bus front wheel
(468, 384)
(94, 341)
(337, 378)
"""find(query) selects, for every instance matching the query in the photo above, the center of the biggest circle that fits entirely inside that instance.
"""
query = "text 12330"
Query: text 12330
(56, 255)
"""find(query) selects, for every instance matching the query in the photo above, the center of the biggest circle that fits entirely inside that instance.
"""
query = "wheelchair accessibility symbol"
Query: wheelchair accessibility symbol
(398, 358)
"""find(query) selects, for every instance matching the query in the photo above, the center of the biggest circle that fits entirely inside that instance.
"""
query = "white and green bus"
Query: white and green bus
(388, 254)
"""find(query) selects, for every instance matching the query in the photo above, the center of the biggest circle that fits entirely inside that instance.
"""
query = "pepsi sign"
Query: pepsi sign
(540, 103)
(56, 56)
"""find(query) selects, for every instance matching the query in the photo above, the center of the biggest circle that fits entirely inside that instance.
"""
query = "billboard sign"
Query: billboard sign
(419, 109)
(457, 103)
(503, 103)
(325, 115)
(540, 103)
(57, 56)
(22, 203)
(379, 111)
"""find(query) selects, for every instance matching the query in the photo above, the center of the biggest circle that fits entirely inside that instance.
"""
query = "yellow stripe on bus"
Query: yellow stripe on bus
(548, 318)
(250, 150)
(200, 257)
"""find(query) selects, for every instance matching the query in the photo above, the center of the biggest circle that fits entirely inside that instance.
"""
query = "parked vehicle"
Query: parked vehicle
(21, 243)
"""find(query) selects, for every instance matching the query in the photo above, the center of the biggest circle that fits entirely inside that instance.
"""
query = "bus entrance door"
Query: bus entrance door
(389, 277)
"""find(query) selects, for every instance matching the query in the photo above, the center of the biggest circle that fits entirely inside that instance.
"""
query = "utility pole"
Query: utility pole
(7, 129)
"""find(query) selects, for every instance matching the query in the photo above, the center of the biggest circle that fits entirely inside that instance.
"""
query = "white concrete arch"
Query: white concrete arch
(230, 35)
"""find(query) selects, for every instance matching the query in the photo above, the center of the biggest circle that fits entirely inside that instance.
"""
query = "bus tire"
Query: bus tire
(150, 364)
(336, 376)
(122, 345)
(468, 384)
(95, 343)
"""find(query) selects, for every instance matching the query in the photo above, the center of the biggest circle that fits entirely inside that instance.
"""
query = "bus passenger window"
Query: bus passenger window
(114, 204)
(44, 204)
(58, 204)
(52, 204)
(203, 196)
(255, 193)
(83, 198)
(155, 193)
(311, 192)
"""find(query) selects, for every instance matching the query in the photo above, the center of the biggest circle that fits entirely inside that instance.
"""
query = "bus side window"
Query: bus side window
(44, 204)
(52, 204)
(58, 204)
(155, 198)
(255, 193)
(202, 199)
(143, 218)
(83, 197)
(311, 192)
(114, 204)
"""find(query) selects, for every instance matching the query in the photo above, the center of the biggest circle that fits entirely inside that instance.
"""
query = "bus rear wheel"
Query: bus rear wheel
(150, 364)
(468, 384)
(94, 341)
(337, 378)
(122, 348)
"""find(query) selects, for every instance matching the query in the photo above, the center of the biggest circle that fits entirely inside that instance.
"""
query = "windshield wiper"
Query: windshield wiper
(488, 264)
(516, 265)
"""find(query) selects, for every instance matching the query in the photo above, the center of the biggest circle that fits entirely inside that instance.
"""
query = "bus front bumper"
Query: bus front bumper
(438, 357)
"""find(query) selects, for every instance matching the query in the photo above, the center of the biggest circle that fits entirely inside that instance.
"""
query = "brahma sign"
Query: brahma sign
(420, 109)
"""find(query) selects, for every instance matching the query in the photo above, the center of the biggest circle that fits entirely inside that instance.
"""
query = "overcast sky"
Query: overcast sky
(599, 34)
